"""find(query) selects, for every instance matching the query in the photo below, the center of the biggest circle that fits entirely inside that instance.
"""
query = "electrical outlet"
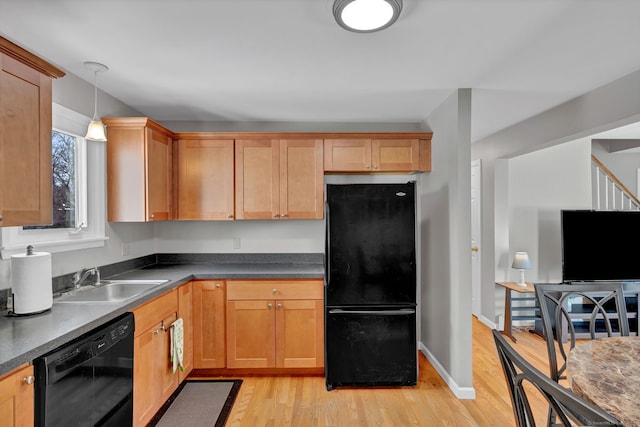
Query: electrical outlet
(126, 249)
(236, 243)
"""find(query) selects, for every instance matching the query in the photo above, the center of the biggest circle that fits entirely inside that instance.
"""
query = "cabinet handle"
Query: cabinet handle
(274, 291)
(368, 166)
(279, 305)
(375, 166)
(283, 215)
(269, 305)
(229, 216)
(151, 216)
(218, 285)
(29, 380)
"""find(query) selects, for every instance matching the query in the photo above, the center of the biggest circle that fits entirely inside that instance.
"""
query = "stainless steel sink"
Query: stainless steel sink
(110, 291)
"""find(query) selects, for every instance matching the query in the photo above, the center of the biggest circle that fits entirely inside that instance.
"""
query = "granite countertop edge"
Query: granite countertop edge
(25, 338)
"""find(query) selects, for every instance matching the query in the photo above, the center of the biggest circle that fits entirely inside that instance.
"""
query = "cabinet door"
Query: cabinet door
(251, 334)
(401, 155)
(347, 155)
(25, 145)
(257, 179)
(158, 175)
(301, 179)
(185, 311)
(168, 380)
(209, 324)
(17, 398)
(145, 393)
(299, 334)
(205, 179)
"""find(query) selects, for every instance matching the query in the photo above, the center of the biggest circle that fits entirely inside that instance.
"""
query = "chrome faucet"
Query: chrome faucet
(81, 275)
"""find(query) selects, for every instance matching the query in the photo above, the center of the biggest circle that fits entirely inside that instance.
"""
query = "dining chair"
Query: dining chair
(570, 409)
(599, 304)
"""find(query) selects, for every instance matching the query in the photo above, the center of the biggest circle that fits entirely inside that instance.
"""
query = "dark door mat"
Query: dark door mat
(198, 403)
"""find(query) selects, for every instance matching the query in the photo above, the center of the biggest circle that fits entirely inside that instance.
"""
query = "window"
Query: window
(69, 201)
(78, 199)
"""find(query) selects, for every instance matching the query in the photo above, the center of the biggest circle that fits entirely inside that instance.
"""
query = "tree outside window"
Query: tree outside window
(63, 157)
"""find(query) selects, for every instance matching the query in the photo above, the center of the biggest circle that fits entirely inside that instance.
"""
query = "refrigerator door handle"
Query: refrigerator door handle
(399, 312)
(327, 247)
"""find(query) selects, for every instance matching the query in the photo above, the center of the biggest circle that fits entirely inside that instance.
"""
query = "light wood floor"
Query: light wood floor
(304, 401)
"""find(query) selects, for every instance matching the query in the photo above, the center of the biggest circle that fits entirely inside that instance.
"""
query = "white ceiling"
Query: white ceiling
(288, 61)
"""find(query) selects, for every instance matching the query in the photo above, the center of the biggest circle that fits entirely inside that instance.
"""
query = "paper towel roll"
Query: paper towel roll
(31, 282)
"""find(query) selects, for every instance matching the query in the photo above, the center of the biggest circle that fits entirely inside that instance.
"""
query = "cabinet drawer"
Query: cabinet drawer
(150, 313)
(275, 289)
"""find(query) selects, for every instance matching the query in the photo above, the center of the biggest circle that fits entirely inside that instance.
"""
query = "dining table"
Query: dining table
(604, 372)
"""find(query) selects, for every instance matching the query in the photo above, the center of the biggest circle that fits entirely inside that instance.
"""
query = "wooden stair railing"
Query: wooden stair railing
(611, 194)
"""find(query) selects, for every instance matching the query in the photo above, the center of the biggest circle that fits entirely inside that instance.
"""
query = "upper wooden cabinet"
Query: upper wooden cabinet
(139, 156)
(377, 155)
(279, 179)
(25, 137)
(205, 179)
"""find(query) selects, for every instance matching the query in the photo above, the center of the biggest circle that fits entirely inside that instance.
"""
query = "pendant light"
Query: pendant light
(95, 132)
(366, 16)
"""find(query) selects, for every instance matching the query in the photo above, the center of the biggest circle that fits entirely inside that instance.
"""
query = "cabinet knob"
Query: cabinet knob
(279, 305)
(283, 215)
(29, 380)
(375, 166)
(276, 216)
(368, 166)
(229, 216)
(218, 285)
(151, 216)
(274, 291)
(269, 305)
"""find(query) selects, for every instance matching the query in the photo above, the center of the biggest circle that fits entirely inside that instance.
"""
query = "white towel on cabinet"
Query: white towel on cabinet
(177, 344)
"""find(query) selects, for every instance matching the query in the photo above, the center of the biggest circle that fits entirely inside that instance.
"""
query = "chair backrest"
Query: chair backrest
(569, 408)
(592, 306)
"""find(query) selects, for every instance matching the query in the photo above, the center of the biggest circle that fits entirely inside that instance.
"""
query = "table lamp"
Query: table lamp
(522, 263)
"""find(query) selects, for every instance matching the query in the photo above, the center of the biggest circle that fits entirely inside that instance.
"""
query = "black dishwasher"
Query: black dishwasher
(89, 381)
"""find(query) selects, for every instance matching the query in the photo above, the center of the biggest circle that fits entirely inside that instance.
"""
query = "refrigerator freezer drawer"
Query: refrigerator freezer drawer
(370, 347)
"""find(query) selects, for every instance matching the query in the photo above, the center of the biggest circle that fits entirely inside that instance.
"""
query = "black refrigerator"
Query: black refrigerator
(370, 285)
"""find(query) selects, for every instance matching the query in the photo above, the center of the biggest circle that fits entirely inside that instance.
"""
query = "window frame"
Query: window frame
(92, 189)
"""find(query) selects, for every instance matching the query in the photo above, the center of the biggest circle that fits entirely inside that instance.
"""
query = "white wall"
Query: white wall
(290, 236)
(541, 184)
(445, 227)
(612, 105)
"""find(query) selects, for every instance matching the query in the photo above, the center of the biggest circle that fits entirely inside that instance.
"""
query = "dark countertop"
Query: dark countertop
(25, 338)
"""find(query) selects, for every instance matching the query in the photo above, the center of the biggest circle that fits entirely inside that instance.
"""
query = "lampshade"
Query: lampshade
(95, 131)
(521, 261)
(366, 16)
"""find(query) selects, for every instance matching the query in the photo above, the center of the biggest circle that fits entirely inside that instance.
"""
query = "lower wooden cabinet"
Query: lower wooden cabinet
(185, 311)
(275, 324)
(209, 324)
(153, 376)
(17, 398)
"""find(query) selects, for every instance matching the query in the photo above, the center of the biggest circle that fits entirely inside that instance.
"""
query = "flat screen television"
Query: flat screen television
(600, 245)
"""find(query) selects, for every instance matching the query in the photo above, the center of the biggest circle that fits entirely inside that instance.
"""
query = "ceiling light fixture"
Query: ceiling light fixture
(95, 132)
(366, 16)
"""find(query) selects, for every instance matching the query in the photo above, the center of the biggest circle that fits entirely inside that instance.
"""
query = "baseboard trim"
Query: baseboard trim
(485, 320)
(460, 392)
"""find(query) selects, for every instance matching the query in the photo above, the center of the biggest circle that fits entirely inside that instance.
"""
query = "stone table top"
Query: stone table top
(604, 371)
